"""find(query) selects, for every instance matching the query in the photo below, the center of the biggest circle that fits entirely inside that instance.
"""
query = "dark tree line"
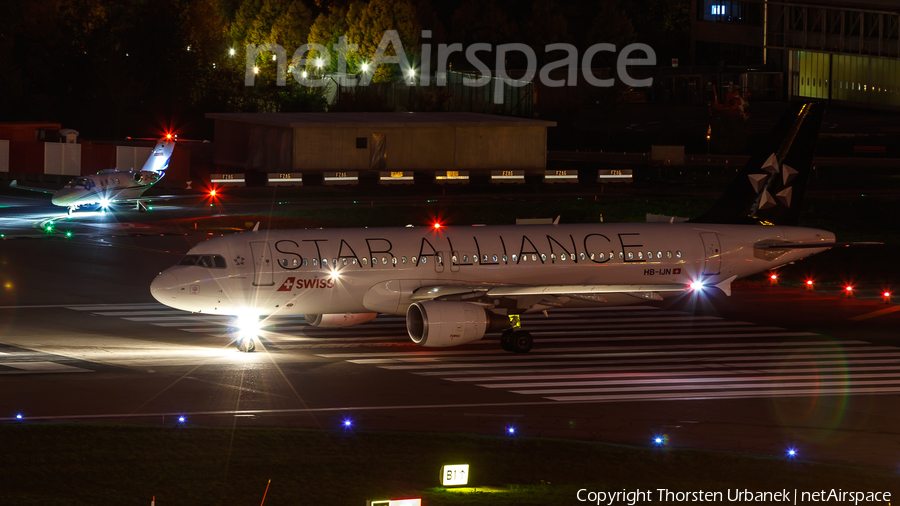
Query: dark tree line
(112, 68)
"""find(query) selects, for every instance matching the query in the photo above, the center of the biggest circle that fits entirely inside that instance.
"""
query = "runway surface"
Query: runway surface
(81, 339)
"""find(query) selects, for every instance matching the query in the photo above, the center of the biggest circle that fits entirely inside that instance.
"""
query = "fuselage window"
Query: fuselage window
(630, 255)
(582, 256)
(304, 262)
(640, 255)
(413, 260)
(454, 259)
(514, 258)
(364, 261)
(102, 183)
(602, 255)
(659, 255)
(384, 260)
(543, 257)
(315, 262)
(295, 263)
(465, 258)
(394, 260)
(494, 258)
(354, 261)
(374, 261)
(524, 258)
(344, 261)
(189, 260)
(620, 255)
(284, 262)
(668, 254)
(324, 262)
(552, 256)
(403, 259)
(474, 259)
(117, 180)
(562, 257)
(484, 258)
(424, 259)
(504, 258)
(439, 259)
(678, 254)
(650, 254)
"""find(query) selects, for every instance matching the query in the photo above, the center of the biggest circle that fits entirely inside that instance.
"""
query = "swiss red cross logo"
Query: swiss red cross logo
(676, 270)
(287, 286)
(293, 283)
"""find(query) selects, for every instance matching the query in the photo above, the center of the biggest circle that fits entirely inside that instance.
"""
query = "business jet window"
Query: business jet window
(117, 180)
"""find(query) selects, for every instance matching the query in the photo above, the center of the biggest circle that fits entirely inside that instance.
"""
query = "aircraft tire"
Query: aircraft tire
(246, 345)
(521, 341)
(505, 339)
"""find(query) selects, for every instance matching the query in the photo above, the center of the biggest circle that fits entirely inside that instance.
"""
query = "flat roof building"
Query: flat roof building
(312, 143)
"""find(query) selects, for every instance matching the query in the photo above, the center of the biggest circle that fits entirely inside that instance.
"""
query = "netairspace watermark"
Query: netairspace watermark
(665, 496)
(629, 56)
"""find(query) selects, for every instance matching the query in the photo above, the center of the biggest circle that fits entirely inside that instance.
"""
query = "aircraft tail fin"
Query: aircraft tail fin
(770, 188)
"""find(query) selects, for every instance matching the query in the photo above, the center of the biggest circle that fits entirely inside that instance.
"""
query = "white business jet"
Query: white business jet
(112, 186)
(455, 284)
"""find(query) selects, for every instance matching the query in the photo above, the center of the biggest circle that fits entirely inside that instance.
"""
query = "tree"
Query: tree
(326, 31)
(369, 27)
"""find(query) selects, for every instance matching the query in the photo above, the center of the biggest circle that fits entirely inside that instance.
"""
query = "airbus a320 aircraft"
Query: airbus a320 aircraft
(113, 186)
(455, 284)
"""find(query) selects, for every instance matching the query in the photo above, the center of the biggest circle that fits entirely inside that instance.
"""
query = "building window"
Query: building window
(362, 143)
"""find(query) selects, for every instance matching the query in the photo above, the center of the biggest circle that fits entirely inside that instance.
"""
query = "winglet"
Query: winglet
(556, 221)
(256, 227)
(725, 285)
(13, 184)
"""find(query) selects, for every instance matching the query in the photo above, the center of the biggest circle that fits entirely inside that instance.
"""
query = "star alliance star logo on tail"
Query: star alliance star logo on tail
(760, 183)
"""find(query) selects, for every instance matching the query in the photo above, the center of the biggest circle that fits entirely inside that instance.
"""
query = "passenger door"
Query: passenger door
(263, 273)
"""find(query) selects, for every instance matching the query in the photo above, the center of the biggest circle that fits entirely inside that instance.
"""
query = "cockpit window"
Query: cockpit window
(208, 261)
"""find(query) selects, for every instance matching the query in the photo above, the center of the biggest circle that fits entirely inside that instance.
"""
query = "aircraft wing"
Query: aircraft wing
(536, 297)
(14, 184)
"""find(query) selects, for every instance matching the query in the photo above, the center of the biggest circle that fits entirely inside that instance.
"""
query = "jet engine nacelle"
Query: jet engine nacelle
(338, 320)
(437, 323)
(146, 177)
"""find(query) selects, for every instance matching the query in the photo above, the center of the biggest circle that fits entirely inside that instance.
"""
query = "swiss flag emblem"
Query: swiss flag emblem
(676, 270)
(287, 286)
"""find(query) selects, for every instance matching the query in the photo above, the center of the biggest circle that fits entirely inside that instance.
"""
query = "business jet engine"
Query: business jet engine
(436, 323)
(146, 177)
(338, 320)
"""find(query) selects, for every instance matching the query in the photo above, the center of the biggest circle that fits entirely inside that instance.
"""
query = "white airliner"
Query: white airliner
(113, 186)
(455, 284)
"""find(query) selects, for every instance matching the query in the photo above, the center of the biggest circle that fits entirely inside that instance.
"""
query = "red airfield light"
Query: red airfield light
(848, 288)
(212, 193)
(809, 282)
(886, 295)
(773, 277)
(437, 225)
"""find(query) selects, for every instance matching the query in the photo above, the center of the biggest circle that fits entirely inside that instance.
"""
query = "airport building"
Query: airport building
(373, 143)
(844, 51)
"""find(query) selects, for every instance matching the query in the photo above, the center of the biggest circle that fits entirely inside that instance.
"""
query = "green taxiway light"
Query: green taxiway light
(69, 233)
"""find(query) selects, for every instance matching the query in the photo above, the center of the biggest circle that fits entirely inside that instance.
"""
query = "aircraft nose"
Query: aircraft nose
(61, 198)
(164, 288)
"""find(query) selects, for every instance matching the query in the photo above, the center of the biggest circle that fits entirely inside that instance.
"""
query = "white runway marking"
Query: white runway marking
(40, 368)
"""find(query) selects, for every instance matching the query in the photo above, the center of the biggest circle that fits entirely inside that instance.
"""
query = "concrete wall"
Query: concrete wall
(478, 149)
(62, 159)
(4, 156)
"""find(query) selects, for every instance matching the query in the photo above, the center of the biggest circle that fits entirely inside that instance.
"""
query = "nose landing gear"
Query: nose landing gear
(246, 344)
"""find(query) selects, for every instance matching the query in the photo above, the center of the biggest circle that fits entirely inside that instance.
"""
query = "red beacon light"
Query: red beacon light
(437, 225)
(886, 295)
(848, 288)
(774, 277)
(809, 282)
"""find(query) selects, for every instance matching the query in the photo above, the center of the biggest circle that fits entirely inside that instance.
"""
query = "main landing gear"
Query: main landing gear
(246, 344)
(516, 340)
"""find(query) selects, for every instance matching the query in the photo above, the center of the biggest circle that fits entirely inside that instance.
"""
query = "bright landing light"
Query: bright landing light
(696, 285)
(248, 324)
